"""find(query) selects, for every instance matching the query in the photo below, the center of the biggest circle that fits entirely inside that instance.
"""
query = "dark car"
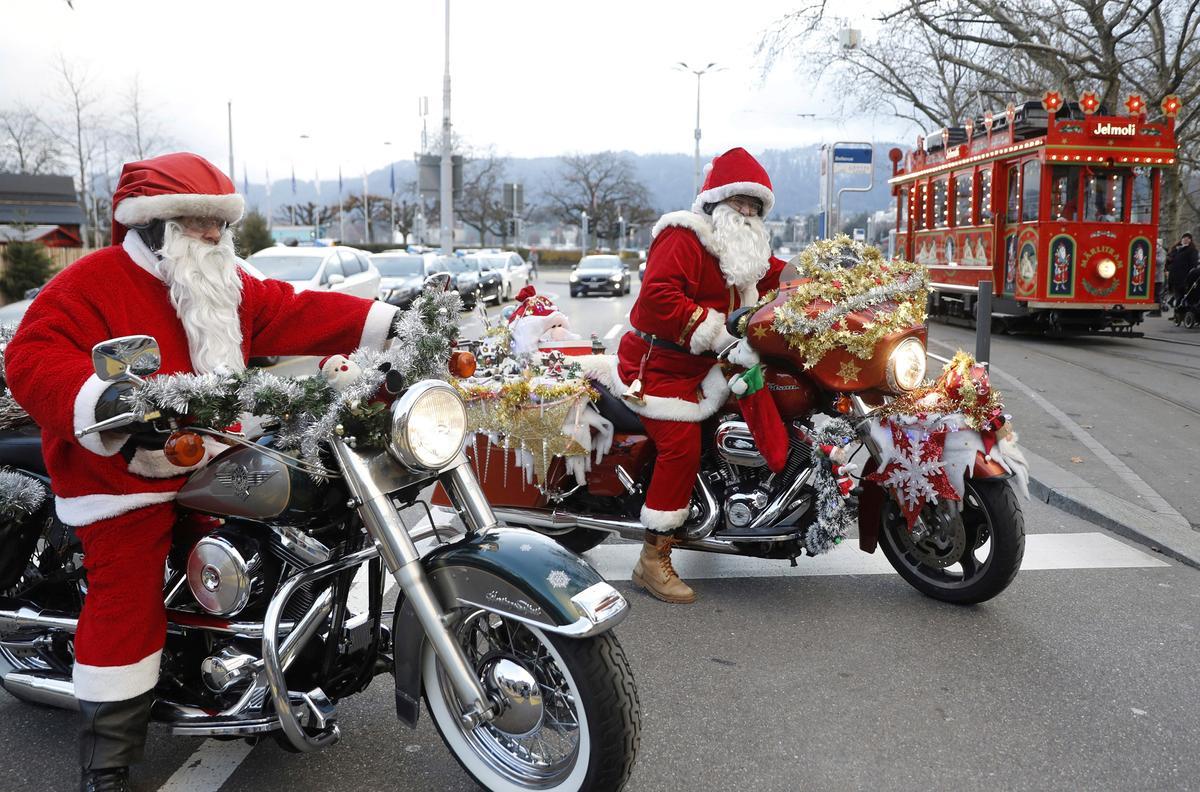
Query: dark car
(471, 282)
(401, 275)
(600, 275)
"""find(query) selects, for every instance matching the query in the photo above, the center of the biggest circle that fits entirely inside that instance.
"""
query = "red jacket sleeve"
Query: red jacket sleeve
(770, 281)
(666, 307)
(282, 322)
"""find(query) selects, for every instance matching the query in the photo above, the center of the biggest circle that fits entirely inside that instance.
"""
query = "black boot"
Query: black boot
(112, 738)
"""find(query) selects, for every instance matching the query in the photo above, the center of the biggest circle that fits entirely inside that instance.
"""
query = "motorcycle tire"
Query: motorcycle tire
(990, 504)
(600, 681)
(580, 540)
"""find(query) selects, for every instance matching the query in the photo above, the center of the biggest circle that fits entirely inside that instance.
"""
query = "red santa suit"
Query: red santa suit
(121, 502)
(679, 321)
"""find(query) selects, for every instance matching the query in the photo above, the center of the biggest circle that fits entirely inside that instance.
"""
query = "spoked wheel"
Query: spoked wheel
(570, 718)
(1190, 321)
(959, 553)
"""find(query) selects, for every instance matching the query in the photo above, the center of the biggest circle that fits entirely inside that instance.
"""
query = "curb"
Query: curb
(1068, 492)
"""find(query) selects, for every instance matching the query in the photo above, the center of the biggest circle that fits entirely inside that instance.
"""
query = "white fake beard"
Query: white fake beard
(206, 292)
(744, 244)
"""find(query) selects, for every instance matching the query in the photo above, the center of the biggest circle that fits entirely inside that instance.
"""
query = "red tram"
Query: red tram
(1057, 204)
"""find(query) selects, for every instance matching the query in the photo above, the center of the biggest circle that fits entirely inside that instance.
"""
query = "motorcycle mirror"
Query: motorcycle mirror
(439, 281)
(393, 382)
(735, 317)
(126, 358)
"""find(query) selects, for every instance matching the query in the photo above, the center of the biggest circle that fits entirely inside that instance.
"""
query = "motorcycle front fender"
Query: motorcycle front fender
(871, 498)
(511, 572)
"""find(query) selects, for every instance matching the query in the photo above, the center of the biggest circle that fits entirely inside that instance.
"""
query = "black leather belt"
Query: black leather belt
(664, 344)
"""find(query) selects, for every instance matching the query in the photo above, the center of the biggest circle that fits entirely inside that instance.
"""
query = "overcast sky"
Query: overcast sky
(531, 77)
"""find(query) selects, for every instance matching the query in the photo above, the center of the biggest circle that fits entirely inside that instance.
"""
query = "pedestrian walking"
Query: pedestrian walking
(533, 263)
(1180, 261)
(1160, 275)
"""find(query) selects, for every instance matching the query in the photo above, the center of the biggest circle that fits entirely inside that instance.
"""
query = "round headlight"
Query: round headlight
(429, 424)
(1106, 268)
(906, 365)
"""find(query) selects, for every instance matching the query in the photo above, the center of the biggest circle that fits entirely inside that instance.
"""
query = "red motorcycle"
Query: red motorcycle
(961, 550)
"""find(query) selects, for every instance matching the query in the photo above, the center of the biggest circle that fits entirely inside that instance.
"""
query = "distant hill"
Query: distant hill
(795, 175)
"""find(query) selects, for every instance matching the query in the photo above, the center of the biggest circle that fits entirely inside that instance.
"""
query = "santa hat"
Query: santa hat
(173, 185)
(735, 173)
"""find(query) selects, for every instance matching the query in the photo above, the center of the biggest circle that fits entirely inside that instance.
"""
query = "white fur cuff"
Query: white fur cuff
(379, 322)
(116, 683)
(102, 443)
(663, 522)
(707, 332)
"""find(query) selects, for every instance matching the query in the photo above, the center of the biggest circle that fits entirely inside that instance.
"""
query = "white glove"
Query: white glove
(742, 355)
(722, 340)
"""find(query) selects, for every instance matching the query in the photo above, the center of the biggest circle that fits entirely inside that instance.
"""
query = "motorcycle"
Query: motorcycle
(961, 550)
(505, 634)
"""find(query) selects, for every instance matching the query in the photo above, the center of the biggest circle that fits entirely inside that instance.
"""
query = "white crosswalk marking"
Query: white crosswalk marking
(209, 767)
(612, 333)
(1042, 551)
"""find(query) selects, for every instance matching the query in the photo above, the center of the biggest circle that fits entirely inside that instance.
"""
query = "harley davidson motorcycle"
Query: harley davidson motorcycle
(961, 552)
(506, 634)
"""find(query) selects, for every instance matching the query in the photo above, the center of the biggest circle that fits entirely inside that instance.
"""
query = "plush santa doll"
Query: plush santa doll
(535, 320)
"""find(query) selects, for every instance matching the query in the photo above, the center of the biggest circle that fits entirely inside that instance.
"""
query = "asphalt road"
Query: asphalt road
(836, 674)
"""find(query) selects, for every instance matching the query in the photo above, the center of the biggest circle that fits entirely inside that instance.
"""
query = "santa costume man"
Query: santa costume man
(702, 265)
(171, 273)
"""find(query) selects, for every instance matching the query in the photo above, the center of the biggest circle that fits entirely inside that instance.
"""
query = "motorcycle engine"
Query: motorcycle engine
(749, 484)
(223, 572)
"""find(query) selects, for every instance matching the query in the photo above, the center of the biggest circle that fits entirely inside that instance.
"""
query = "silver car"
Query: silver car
(336, 268)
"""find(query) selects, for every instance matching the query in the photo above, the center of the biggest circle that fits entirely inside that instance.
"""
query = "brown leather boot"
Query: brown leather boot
(654, 572)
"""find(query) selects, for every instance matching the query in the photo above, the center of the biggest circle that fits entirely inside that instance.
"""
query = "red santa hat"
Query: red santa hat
(735, 173)
(173, 185)
(530, 303)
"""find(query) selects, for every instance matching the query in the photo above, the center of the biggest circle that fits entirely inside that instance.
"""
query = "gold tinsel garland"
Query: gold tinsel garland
(963, 387)
(839, 278)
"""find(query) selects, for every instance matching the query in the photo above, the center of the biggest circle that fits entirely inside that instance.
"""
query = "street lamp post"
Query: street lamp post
(392, 195)
(447, 177)
(696, 180)
(583, 233)
(317, 205)
(621, 226)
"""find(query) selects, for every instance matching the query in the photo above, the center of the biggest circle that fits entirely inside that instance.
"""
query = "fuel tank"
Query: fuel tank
(243, 482)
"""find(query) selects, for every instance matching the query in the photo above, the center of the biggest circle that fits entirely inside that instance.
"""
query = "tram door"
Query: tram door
(1010, 217)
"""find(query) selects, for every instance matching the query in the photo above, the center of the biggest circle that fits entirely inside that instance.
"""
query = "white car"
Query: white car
(336, 268)
(515, 271)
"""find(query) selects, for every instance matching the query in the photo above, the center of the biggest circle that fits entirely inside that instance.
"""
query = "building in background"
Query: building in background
(39, 208)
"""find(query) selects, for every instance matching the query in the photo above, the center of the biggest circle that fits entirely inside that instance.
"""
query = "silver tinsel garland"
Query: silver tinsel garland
(11, 414)
(834, 517)
(20, 495)
(789, 320)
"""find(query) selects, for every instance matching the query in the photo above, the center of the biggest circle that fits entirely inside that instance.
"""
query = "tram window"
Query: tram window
(1014, 195)
(1064, 192)
(985, 195)
(1105, 193)
(962, 199)
(1141, 206)
(902, 212)
(941, 208)
(1031, 178)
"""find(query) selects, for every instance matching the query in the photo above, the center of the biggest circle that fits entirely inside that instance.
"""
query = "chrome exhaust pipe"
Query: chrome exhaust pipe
(41, 687)
(16, 616)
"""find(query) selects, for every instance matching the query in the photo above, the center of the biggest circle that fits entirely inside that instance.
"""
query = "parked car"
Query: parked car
(469, 280)
(597, 274)
(515, 271)
(401, 275)
(336, 268)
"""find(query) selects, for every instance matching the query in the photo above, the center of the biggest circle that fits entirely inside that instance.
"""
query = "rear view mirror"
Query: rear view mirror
(126, 358)
(439, 281)
(335, 279)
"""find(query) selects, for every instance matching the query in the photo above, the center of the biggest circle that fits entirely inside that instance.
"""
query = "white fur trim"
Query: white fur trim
(721, 192)
(141, 209)
(663, 522)
(141, 255)
(714, 390)
(87, 509)
(697, 222)
(116, 683)
(707, 332)
(379, 322)
(103, 443)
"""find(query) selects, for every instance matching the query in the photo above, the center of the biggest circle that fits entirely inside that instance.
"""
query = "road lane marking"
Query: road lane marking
(209, 767)
(1148, 494)
(612, 333)
(1042, 552)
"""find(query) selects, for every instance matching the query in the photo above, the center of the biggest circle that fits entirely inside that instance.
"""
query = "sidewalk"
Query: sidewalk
(1163, 533)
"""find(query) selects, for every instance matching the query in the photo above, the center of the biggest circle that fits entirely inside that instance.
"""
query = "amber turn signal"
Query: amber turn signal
(843, 405)
(184, 449)
(462, 364)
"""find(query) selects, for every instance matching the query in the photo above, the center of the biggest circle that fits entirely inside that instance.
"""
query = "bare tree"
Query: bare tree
(77, 133)
(933, 56)
(480, 206)
(604, 186)
(26, 144)
(142, 134)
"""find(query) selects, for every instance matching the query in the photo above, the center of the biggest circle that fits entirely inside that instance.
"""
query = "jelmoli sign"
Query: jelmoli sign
(1118, 129)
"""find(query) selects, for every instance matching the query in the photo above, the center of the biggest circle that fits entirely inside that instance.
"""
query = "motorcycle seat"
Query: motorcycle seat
(22, 448)
(624, 420)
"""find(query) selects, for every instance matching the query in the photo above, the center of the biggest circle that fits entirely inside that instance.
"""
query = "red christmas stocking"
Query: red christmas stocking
(762, 416)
